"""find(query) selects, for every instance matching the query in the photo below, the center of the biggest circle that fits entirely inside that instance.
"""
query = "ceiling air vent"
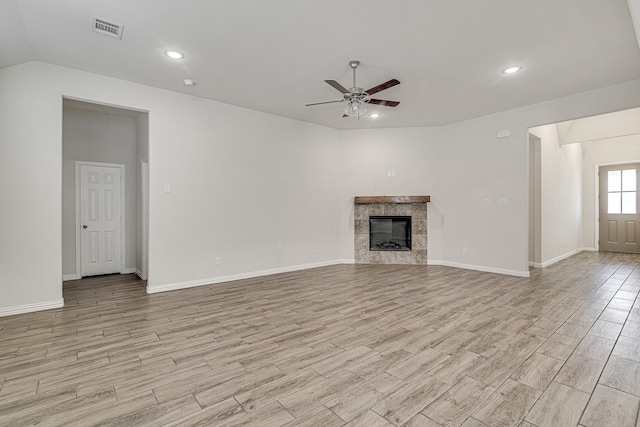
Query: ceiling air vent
(107, 28)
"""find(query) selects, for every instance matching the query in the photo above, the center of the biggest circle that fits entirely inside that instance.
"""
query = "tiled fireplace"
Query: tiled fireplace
(414, 207)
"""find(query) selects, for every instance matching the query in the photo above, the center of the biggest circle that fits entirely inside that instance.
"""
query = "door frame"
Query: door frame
(144, 221)
(596, 225)
(80, 163)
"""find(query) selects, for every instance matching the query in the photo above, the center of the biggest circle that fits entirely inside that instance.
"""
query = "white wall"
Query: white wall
(366, 158)
(241, 181)
(239, 178)
(561, 195)
(30, 192)
(476, 165)
(599, 153)
(98, 137)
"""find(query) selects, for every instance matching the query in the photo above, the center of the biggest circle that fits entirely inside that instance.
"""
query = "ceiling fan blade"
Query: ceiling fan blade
(325, 102)
(384, 102)
(337, 86)
(383, 86)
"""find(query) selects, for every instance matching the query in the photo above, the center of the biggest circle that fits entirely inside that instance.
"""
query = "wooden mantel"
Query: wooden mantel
(363, 200)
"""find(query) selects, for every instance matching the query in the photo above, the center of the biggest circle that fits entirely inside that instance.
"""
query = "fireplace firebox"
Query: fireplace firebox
(390, 233)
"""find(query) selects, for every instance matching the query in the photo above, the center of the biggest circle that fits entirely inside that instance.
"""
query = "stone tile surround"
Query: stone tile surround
(413, 206)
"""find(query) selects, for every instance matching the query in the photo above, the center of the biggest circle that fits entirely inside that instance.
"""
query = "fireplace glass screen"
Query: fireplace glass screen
(390, 233)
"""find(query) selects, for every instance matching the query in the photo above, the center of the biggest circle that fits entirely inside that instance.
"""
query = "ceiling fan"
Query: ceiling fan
(357, 97)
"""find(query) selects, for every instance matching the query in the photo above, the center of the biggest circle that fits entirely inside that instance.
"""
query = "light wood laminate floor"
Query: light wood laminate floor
(348, 345)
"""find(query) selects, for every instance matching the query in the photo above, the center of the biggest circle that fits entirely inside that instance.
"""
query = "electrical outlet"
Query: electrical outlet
(315, 249)
(464, 251)
(218, 261)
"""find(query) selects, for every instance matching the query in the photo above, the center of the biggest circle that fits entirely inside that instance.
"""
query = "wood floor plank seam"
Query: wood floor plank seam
(338, 345)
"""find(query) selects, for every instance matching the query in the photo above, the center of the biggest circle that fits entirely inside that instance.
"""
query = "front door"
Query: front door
(100, 220)
(619, 219)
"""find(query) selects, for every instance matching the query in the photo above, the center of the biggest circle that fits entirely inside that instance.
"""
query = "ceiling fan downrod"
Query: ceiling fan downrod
(355, 89)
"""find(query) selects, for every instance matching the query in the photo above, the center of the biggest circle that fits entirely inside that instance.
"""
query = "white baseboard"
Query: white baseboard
(516, 273)
(241, 276)
(589, 249)
(30, 308)
(152, 289)
(129, 270)
(558, 258)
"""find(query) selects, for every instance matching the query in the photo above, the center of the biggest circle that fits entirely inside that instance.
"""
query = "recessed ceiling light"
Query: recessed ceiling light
(512, 70)
(189, 82)
(374, 115)
(174, 54)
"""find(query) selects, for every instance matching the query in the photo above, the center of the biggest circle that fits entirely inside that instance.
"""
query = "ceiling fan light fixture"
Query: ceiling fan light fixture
(374, 115)
(355, 109)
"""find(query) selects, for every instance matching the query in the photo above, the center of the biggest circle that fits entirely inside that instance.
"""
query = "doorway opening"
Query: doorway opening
(101, 137)
(565, 221)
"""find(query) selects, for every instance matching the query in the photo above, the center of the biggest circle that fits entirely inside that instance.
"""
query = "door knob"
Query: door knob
(84, 226)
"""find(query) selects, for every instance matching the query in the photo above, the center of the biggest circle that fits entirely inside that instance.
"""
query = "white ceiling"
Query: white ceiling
(273, 55)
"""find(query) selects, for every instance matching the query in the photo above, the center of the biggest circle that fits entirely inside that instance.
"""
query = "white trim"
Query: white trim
(558, 258)
(67, 277)
(123, 245)
(151, 289)
(634, 9)
(589, 249)
(30, 308)
(143, 269)
(230, 278)
(130, 270)
(596, 216)
(516, 273)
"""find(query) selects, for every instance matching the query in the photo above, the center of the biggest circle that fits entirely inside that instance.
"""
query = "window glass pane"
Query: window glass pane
(629, 180)
(614, 180)
(629, 202)
(613, 206)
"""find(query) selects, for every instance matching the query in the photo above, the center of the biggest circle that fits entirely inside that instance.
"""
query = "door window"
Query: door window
(621, 191)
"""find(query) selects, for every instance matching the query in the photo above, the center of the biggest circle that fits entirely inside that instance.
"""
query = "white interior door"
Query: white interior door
(100, 220)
